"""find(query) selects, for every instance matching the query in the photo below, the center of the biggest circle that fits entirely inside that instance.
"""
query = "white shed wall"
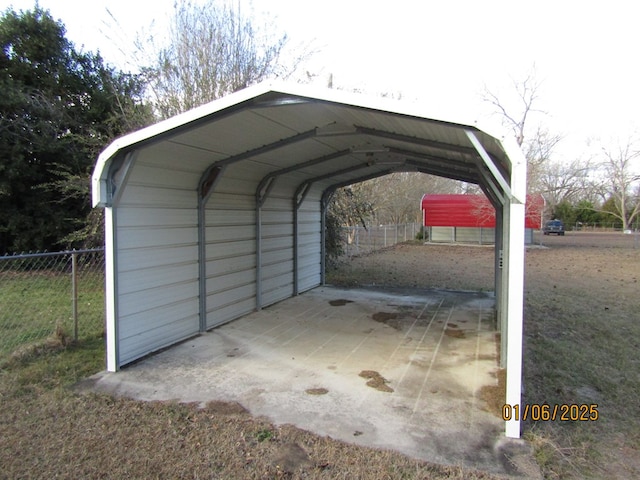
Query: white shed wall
(277, 249)
(156, 278)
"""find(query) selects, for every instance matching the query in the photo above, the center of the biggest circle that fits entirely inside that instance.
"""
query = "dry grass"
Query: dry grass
(581, 345)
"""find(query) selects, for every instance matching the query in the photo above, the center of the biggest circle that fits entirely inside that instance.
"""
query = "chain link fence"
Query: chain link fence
(359, 240)
(50, 294)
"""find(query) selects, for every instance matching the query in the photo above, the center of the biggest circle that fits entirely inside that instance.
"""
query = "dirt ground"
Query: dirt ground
(581, 335)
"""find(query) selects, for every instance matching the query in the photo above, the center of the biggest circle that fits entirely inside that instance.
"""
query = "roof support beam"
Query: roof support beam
(435, 160)
(265, 185)
(441, 172)
(448, 147)
(344, 171)
(267, 148)
(119, 171)
(206, 186)
(490, 185)
(489, 163)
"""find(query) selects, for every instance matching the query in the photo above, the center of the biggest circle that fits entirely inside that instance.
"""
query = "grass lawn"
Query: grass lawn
(34, 304)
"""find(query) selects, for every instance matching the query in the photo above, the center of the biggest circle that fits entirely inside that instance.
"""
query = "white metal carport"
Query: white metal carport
(220, 211)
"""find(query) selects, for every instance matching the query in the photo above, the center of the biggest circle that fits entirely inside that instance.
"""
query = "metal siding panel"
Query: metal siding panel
(488, 236)
(159, 236)
(156, 256)
(277, 230)
(144, 301)
(276, 243)
(136, 280)
(232, 202)
(156, 197)
(230, 233)
(236, 309)
(230, 217)
(175, 157)
(229, 281)
(227, 298)
(467, 235)
(442, 234)
(309, 282)
(234, 134)
(150, 217)
(276, 256)
(276, 294)
(277, 269)
(473, 211)
(153, 338)
(238, 186)
(230, 249)
(143, 174)
(277, 218)
(224, 266)
(157, 259)
(280, 204)
(528, 236)
(178, 315)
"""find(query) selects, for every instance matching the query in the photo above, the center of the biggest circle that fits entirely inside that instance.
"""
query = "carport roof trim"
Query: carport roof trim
(282, 92)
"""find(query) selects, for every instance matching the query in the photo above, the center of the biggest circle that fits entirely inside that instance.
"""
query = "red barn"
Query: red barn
(471, 218)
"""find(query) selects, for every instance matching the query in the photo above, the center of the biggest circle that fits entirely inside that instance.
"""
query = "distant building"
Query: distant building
(471, 218)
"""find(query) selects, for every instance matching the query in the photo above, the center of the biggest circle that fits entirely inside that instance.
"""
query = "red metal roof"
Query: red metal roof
(472, 211)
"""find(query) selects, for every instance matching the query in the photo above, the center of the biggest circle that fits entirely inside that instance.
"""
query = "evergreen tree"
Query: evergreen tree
(59, 107)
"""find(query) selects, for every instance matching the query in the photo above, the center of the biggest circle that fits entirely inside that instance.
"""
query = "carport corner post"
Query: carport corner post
(515, 308)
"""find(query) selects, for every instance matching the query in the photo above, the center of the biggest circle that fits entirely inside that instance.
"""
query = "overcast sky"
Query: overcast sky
(439, 53)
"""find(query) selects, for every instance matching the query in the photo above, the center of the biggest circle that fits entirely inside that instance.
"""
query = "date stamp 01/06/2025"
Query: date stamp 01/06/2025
(564, 412)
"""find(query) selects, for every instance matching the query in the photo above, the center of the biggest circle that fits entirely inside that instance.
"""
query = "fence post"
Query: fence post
(74, 293)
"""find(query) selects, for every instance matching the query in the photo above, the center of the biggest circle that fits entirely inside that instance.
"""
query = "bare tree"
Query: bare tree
(621, 180)
(537, 148)
(527, 92)
(396, 197)
(212, 49)
(568, 182)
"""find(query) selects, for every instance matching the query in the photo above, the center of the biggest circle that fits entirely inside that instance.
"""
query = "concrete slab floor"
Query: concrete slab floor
(300, 362)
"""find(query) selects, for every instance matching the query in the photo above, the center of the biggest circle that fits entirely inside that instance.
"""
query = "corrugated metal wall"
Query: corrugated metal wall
(481, 236)
(309, 239)
(230, 248)
(157, 257)
(230, 238)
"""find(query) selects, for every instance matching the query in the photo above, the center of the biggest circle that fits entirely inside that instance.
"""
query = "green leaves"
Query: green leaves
(59, 108)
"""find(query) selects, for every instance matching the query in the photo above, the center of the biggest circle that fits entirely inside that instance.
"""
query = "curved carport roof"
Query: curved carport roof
(250, 175)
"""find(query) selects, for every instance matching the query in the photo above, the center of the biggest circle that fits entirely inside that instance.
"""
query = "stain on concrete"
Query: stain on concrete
(340, 302)
(454, 333)
(388, 318)
(376, 381)
(493, 395)
(317, 391)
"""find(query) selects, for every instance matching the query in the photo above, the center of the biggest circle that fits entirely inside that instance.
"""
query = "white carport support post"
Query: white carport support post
(512, 296)
(111, 327)
(513, 280)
